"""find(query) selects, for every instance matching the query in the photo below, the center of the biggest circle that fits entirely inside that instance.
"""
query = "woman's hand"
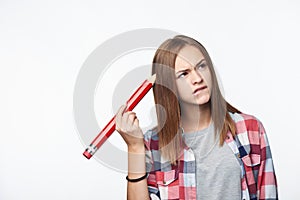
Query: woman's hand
(127, 124)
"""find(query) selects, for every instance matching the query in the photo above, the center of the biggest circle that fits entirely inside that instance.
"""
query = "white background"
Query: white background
(254, 45)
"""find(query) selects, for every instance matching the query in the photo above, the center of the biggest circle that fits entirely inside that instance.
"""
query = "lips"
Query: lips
(199, 89)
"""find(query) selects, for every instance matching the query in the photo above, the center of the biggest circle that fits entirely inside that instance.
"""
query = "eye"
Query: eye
(181, 75)
(201, 66)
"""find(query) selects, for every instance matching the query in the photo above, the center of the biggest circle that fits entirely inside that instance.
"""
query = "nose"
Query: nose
(196, 77)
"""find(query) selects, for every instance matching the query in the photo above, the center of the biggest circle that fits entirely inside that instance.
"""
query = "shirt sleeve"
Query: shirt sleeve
(151, 180)
(266, 183)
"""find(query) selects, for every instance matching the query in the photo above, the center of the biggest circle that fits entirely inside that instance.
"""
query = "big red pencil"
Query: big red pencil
(110, 127)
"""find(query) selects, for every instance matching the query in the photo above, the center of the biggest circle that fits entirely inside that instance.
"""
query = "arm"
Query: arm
(127, 125)
(136, 169)
(266, 183)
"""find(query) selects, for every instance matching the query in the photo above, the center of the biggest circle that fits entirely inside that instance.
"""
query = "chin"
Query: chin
(203, 101)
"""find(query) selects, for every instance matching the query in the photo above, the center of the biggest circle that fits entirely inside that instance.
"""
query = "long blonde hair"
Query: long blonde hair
(166, 96)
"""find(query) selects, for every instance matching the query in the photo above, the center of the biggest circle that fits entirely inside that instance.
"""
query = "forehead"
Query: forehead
(188, 56)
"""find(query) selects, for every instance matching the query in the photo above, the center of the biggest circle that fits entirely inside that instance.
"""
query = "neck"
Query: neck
(195, 117)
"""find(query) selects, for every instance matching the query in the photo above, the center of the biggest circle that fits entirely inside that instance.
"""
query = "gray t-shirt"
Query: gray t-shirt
(217, 169)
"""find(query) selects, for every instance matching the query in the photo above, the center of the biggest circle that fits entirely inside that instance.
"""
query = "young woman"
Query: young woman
(202, 147)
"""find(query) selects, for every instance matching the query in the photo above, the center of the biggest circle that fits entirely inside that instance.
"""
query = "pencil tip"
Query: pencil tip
(152, 78)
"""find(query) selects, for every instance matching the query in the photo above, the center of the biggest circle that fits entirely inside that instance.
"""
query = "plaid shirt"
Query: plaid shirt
(250, 146)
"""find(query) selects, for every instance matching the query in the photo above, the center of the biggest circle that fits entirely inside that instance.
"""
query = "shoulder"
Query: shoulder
(250, 136)
(245, 122)
(237, 117)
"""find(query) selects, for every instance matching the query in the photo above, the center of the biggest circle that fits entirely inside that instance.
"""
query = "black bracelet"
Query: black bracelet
(137, 179)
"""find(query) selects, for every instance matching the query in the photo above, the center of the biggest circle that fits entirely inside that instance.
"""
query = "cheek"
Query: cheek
(183, 88)
(207, 79)
(209, 84)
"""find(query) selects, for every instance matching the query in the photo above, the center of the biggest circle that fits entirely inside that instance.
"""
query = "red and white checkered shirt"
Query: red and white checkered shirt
(250, 146)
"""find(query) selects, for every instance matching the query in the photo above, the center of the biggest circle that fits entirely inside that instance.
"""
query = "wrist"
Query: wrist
(137, 179)
(137, 148)
(136, 161)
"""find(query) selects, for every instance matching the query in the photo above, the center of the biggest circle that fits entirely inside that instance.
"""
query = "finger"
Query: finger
(124, 123)
(131, 118)
(119, 115)
(126, 115)
(122, 109)
(136, 122)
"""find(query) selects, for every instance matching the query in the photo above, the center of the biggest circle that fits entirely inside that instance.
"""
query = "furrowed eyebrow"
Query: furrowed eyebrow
(200, 62)
(184, 70)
